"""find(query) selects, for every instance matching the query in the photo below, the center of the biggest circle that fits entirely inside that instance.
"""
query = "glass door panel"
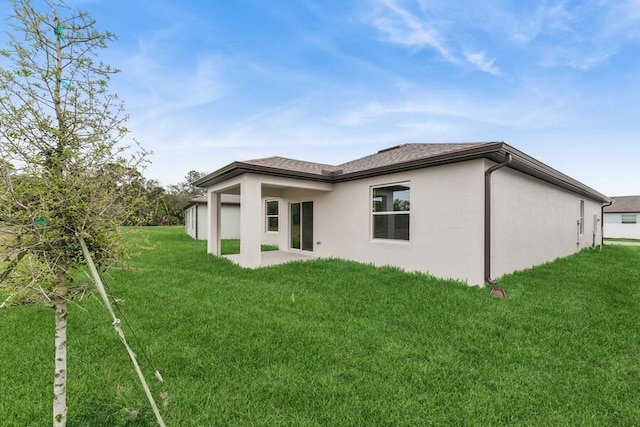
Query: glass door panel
(295, 225)
(301, 228)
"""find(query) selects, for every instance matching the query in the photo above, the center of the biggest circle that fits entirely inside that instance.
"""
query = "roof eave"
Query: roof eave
(494, 151)
(484, 151)
(532, 167)
(238, 168)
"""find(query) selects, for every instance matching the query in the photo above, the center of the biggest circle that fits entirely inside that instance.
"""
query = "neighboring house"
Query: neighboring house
(622, 218)
(196, 217)
(470, 212)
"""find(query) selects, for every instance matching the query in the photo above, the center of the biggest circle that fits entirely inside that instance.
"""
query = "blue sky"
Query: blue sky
(210, 82)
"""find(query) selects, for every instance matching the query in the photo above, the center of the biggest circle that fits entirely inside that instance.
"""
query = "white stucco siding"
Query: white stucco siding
(534, 222)
(201, 218)
(613, 226)
(229, 222)
(446, 222)
(190, 221)
(274, 237)
(197, 224)
(286, 191)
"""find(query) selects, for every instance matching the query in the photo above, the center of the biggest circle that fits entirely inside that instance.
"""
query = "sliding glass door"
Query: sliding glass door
(301, 226)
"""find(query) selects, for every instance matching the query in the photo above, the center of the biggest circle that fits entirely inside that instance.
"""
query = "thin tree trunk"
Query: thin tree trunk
(60, 298)
(60, 374)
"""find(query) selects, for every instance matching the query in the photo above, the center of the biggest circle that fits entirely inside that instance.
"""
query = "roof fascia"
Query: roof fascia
(494, 151)
(532, 167)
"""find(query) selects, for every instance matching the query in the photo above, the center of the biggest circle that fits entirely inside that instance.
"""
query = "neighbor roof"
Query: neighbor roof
(225, 199)
(623, 204)
(399, 158)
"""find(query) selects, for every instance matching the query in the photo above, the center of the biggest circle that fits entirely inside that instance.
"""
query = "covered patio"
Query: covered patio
(274, 257)
(253, 190)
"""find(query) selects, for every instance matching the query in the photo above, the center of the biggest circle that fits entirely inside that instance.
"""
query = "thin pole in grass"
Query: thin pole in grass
(116, 325)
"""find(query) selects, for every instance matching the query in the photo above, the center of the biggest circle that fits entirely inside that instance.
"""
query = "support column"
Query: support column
(250, 221)
(213, 218)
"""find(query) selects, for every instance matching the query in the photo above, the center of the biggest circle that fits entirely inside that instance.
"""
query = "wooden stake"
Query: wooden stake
(116, 325)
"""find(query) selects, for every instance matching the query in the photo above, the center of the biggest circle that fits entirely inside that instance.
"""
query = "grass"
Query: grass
(621, 239)
(331, 342)
(232, 246)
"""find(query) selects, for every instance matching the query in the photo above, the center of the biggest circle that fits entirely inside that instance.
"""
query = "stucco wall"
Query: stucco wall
(274, 237)
(229, 222)
(534, 222)
(229, 217)
(190, 221)
(446, 228)
(613, 226)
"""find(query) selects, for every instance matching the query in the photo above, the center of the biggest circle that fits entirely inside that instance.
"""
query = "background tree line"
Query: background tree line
(156, 204)
(163, 205)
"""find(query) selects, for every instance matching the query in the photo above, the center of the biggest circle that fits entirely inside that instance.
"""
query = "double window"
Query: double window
(272, 215)
(629, 218)
(390, 211)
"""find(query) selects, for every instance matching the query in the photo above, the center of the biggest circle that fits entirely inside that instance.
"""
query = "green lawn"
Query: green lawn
(232, 246)
(331, 342)
(621, 239)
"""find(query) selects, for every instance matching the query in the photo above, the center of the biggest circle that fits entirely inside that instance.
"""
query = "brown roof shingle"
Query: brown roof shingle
(291, 165)
(624, 204)
(387, 157)
(400, 158)
(402, 154)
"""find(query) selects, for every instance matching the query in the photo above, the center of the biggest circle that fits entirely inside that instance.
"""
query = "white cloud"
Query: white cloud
(482, 63)
(587, 61)
(401, 27)
(154, 88)
(531, 107)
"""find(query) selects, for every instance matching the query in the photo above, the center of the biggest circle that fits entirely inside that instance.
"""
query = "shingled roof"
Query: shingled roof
(623, 204)
(387, 157)
(291, 165)
(400, 158)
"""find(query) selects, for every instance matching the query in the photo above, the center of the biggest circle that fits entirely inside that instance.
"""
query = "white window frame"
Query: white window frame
(628, 218)
(373, 213)
(268, 216)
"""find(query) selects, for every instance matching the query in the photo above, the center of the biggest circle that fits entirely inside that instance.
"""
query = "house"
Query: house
(196, 217)
(466, 211)
(622, 218)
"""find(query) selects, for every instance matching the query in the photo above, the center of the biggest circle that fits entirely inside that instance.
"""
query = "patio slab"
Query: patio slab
(275, 257)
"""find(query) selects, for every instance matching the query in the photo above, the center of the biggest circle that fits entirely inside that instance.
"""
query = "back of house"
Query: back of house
(622, 218)
(466, 211)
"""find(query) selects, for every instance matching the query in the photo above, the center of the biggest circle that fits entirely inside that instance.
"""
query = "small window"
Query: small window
(629, 219)
(272, 215)
(581, 216)
(390, 210)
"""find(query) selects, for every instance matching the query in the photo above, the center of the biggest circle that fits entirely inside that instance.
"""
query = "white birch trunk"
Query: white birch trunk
(60, 375)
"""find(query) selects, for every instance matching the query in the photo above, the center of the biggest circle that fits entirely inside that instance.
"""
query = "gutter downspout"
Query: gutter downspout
(487, 225)
(602, 222)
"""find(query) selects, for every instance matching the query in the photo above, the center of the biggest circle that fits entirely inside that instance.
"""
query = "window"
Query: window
(581, 216)
(272, 215)
(390, 210)
(629, 219)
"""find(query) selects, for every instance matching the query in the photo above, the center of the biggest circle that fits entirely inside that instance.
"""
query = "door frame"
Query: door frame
(301, 227)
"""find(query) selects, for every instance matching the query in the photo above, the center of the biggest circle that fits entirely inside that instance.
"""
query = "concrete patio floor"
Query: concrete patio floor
(275, 257)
